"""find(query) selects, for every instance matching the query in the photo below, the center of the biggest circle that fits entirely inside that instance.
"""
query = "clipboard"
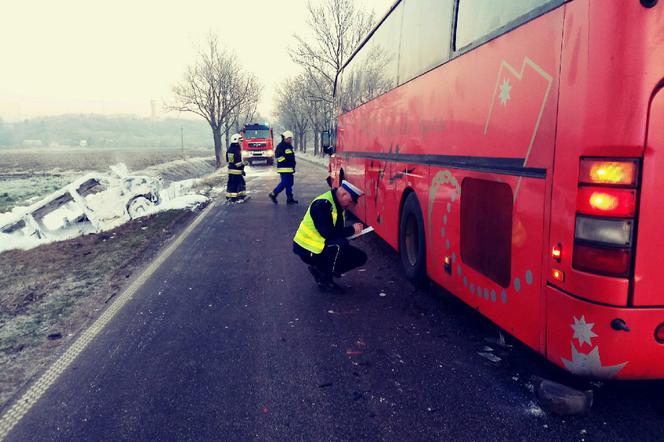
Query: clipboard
(363, 232)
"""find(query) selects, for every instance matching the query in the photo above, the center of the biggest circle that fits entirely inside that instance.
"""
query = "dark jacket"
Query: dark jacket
(321, 213)
(234, 157)
(285, 157)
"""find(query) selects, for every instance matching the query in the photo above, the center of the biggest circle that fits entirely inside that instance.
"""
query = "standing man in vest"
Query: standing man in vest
(235, 188)
(321, 240)
(285, 167)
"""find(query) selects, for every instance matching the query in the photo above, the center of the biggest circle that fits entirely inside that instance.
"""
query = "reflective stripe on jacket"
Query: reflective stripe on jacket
(307, 236)
(285, 158)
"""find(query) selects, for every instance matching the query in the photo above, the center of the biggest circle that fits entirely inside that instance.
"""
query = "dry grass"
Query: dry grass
(207, 185)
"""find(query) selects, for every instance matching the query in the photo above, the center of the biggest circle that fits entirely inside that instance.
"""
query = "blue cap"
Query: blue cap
(355, 193)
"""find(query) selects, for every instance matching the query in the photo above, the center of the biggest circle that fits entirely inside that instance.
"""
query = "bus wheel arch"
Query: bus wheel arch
(412, 238)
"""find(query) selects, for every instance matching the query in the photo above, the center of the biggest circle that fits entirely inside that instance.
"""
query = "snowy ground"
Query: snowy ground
(322, 161)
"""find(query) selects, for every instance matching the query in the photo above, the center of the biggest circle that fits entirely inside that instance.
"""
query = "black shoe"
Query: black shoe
(332, 286)
(273, 197)
(316, 274)
(326, 284)
(291, 201)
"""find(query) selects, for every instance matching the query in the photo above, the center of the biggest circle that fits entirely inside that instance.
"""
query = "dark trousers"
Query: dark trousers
(335, 259)
(236, 187)
(285, 183)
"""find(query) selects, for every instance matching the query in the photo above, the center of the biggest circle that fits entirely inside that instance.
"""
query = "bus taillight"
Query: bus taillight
(605, 216)
(606, 201)
(612, 172)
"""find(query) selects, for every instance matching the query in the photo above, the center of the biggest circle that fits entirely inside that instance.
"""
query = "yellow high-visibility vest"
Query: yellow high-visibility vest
(307, 236)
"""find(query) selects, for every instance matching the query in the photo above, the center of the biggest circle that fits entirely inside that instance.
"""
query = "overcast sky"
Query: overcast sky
(109, 57)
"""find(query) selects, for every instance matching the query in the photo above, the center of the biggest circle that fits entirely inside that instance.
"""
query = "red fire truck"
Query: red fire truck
(257, 143)
(508, 150)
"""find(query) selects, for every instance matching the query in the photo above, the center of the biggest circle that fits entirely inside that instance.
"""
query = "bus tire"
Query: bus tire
(412, 241)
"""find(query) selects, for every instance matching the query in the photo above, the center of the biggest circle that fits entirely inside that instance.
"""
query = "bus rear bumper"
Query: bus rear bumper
(586, 339)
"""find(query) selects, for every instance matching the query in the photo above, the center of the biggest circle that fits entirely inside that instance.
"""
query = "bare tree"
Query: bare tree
(214, 87)
(292, 108)
(338, 27)
(240, 117)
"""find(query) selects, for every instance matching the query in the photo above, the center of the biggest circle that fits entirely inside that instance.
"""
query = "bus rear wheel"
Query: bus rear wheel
(412, 241)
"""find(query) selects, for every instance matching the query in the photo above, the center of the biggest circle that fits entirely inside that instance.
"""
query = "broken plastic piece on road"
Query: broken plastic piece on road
(490, 356)
(500, 340)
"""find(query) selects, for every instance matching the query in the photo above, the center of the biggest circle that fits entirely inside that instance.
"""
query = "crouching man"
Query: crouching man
(321, 241)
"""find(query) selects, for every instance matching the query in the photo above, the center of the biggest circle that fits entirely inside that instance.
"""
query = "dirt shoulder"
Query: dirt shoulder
(49, 294)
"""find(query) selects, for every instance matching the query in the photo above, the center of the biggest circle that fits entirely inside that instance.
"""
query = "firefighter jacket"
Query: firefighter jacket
(322, 224)
(285, 158)
(234, 159)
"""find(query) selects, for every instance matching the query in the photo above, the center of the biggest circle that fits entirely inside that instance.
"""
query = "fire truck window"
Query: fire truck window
(486, 228)
(425, 36)
(479, 18)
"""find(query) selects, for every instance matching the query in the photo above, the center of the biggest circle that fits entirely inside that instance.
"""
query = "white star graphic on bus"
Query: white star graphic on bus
(590, 364)
(583, 330)
(505, 88)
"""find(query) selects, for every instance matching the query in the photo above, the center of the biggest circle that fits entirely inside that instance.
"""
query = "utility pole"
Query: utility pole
(182, 140)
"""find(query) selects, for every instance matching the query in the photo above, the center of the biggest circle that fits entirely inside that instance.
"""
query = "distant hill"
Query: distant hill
(105, 131)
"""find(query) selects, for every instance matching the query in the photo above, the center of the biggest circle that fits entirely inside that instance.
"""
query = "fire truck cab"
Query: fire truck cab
(257, 144)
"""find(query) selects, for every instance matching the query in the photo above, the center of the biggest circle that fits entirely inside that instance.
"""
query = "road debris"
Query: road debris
(560, 399)
(490, 356)
(499, 341)
(534, 410)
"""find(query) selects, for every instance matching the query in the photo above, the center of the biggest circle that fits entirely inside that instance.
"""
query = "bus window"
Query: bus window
(478, 18)
(425, 41)
(373, 69)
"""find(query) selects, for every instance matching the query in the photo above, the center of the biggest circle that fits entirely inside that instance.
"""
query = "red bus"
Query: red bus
(508, 150)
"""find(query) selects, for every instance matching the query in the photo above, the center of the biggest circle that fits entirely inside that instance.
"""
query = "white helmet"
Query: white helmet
(236, 138)
(287, 134)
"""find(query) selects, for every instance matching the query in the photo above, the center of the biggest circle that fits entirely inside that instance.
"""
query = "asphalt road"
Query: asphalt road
(230, 340)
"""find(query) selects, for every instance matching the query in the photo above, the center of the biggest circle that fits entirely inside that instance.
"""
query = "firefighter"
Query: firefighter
(285, 167)
(235, 188)
(321, 240)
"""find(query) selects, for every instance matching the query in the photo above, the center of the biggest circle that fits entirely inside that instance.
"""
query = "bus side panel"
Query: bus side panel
(385, 184)
(516, 306)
